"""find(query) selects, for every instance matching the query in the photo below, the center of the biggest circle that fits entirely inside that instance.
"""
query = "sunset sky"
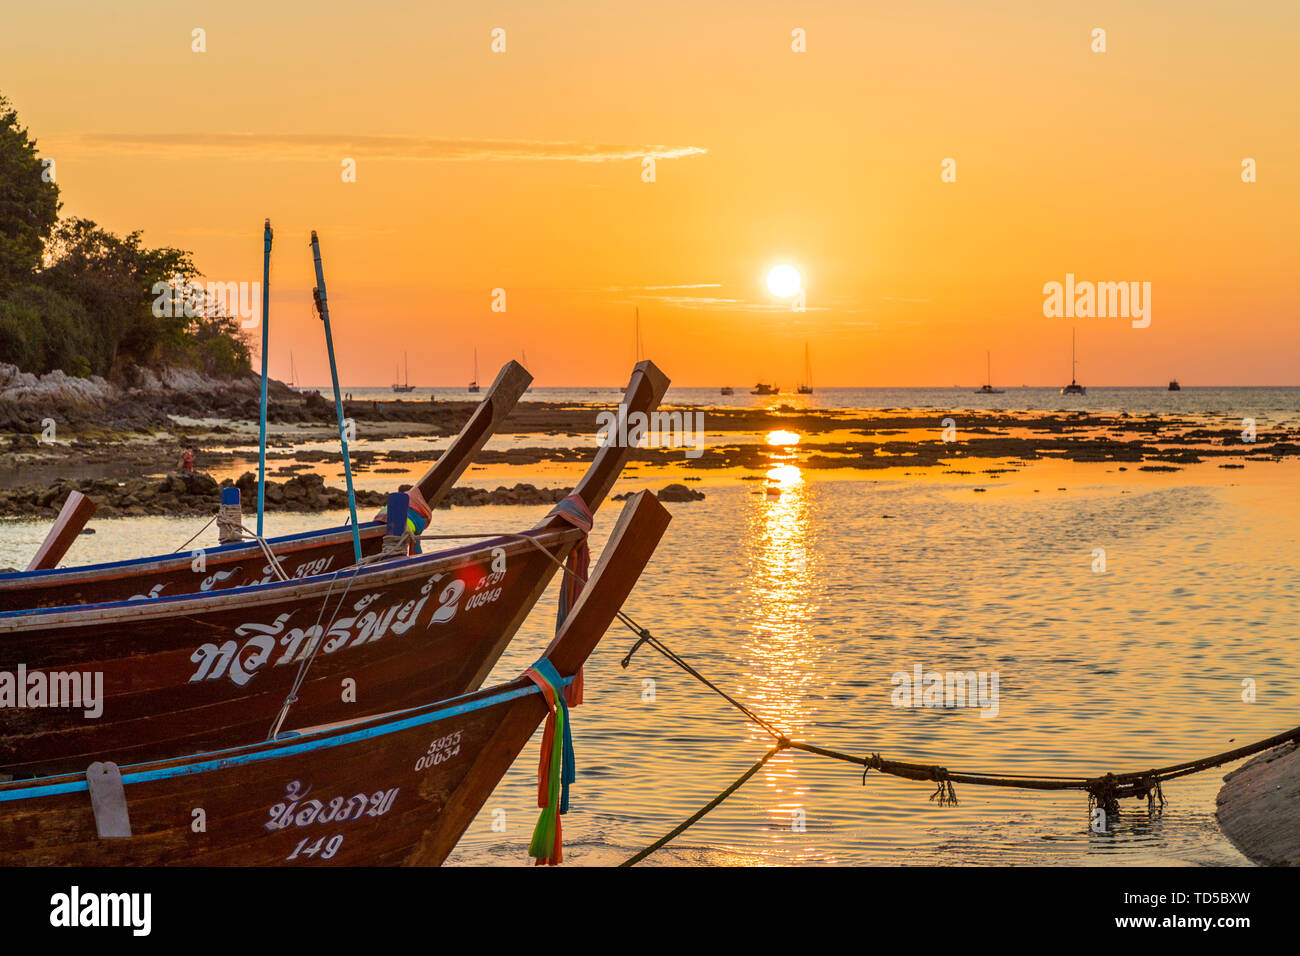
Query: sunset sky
(522, 170)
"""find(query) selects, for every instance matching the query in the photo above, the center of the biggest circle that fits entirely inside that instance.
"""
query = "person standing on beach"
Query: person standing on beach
(187, 459)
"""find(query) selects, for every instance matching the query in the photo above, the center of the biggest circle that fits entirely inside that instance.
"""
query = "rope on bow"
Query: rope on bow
(575, 511)
(417, 519)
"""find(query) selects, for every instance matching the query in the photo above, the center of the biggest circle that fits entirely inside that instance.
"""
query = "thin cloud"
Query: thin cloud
(724, 305)
(255, 146)
(662, 288)
(690, 302)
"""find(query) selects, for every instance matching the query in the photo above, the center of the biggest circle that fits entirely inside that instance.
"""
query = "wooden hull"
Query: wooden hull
(372, 806)
(396, 789)
(202, 671)
(243, 564)
(209, 671)
(222, 569)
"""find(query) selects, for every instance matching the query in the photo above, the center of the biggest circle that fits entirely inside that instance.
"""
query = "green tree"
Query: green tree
(29, 201)
(113, 278)
(91, 307)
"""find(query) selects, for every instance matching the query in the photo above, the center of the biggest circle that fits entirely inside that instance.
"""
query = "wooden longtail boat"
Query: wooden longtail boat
(400, 788)
(205, 671)
(244, 563)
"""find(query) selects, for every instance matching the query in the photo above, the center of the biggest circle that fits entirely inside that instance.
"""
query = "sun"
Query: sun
(784, 281)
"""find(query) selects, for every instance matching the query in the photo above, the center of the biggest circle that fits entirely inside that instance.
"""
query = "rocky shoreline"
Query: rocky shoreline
(196, 493)
(119, 433)
(153, 399)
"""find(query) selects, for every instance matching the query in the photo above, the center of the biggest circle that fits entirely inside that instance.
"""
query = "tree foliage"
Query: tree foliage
(29, 201)
(77, 297)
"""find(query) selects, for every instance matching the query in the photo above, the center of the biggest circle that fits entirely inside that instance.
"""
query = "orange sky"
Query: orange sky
(1123, 165)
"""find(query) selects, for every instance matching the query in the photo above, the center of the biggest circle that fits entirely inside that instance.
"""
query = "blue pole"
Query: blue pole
(266, 335)
(322, 306)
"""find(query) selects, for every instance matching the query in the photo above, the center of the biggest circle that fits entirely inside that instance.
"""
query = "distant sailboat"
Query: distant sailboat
(293, 373)
(1074, 388)
(806, 388)
(987, 388)
(727, 390)
(405, 385)
(1174, 386)
(761, 389)
(473, 386)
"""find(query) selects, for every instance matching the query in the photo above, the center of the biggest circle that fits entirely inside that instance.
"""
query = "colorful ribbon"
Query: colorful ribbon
(418, 517)
(556, 769)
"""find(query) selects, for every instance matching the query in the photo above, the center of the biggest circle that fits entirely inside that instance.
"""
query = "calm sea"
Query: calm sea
(1274, 404)
(804, 605)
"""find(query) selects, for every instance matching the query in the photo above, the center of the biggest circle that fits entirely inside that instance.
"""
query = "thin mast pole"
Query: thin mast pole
(266, 339)
(322, 306)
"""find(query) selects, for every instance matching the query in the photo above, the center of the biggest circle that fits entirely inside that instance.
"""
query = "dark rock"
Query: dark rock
(678, 492)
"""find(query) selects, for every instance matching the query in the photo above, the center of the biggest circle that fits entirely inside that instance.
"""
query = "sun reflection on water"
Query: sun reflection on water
(780, 604)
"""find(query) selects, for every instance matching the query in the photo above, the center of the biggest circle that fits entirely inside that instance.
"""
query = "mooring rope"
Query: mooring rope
(313, 646)
(271, 559)
(196, 534)
(230, 525)
(227, 521)
(1103, 791)
(645, 637)
(694, 818)
(292, 697)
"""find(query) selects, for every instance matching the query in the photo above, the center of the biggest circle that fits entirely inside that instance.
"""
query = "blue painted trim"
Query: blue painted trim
(204, 763)
(429, 558)
(251, 546)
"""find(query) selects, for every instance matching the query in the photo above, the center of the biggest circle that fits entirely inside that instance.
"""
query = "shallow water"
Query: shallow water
(1274, 404)
(805, 603)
